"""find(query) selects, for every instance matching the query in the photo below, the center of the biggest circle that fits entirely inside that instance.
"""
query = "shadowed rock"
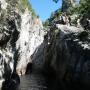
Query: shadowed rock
(67, 58)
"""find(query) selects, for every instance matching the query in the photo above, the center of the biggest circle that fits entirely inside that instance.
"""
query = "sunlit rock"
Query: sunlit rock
(30, 37)
(3, 4)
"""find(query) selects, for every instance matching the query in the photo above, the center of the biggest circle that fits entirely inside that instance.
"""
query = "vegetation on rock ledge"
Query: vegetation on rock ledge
(26, 4)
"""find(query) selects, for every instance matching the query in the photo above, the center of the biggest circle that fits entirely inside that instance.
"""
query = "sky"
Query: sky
(44, 8)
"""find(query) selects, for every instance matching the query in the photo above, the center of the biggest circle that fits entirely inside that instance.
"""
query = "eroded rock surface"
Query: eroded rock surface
(20, 35)
(30, 38)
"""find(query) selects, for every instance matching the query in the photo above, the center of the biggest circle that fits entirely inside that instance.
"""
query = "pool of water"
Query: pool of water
(33, 81)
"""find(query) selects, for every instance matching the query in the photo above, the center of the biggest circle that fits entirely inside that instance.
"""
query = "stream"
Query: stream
(34, 81)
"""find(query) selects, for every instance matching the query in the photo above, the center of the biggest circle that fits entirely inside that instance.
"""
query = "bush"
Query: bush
(84, 6)
(26, 4)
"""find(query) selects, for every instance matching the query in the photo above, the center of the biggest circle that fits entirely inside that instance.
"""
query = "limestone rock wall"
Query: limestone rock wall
(20, 35)
(30, 37)
(9, 32)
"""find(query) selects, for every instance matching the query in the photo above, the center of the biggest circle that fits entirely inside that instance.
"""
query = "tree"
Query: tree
(23, 4)
(84, 6)
(67, 4)
(55, 1)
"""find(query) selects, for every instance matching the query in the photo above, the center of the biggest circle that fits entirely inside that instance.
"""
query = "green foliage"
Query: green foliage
(54, 16)
(23, 4)
(73, 10)
(84, 6)
(46, 23)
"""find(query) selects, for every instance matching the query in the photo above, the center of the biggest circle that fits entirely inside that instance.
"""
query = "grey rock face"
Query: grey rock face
(67, 57)
(8, 37)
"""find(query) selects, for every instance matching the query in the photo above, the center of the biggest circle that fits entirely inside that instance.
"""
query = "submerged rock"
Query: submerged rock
(11, 83)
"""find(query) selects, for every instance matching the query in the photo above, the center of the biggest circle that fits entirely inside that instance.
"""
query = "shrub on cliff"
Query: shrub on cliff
(84, 6)
(26, 4)
(21, 5)
(53, 17)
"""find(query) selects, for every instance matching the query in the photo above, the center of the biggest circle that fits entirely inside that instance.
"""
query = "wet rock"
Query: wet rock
(10, 85)
(29, 68)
